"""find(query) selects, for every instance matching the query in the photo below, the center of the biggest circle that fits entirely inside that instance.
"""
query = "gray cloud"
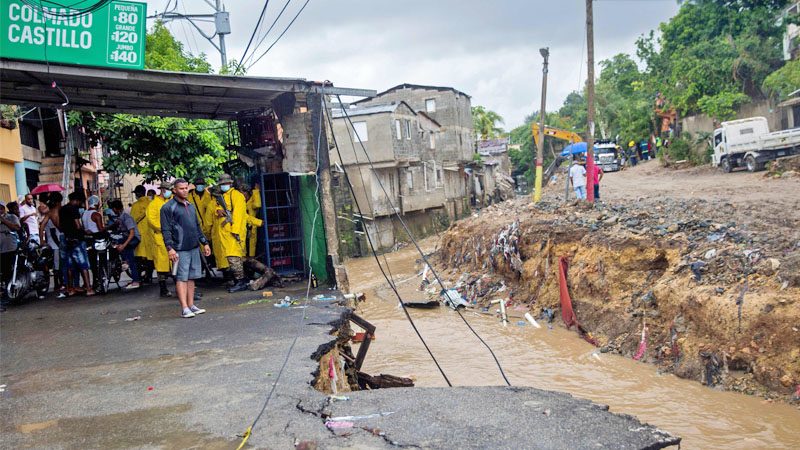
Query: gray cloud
(486, 49)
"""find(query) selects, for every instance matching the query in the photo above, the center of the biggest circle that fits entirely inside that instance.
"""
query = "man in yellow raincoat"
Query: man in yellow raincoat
(253, 197)
(201, 201)
(232, 232)
(158, 249)
(139, 214)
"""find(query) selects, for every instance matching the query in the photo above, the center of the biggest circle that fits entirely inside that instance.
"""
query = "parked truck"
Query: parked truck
(749, 143)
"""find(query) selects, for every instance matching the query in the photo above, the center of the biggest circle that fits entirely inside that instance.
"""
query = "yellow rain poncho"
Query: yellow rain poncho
(158, 249)
(139, 214)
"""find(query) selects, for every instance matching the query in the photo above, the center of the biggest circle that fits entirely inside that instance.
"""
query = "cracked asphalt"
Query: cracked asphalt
(78, 375)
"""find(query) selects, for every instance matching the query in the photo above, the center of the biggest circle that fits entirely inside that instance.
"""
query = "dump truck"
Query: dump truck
(748, 143)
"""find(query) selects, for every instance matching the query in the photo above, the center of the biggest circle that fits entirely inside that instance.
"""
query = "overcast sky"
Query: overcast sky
(488, 49)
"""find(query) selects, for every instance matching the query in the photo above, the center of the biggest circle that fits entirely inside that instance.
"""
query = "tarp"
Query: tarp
(567, 313)
(309, 208)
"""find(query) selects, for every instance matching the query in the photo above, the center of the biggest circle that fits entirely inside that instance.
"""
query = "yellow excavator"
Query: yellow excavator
(557, 133)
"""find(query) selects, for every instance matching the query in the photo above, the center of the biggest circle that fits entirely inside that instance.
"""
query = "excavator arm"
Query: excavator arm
(557, 133)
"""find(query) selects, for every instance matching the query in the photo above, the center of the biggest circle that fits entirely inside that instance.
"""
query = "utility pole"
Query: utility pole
(590, 102)
(220, 17)
(537, 186)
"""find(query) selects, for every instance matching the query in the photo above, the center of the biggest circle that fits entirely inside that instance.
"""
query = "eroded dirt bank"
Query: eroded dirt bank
(680, 267)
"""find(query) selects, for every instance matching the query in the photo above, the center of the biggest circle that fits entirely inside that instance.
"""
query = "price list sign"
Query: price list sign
(111, 36)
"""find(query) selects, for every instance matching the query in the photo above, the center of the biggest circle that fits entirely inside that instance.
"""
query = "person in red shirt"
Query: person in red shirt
(598, 175)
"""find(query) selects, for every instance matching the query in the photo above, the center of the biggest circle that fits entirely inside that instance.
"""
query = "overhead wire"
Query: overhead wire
(280, 35)
(253, 35)
(272, 25)
(416, 244)
(249, 431)
(374, 252)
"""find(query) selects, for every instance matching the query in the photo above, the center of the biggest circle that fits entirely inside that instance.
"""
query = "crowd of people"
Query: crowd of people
(172, 233)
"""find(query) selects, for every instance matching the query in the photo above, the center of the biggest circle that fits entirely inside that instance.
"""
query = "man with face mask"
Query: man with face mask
(231, 213)
(158, 249)
(201, 200)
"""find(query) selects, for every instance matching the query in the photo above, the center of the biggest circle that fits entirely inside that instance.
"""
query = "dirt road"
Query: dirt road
(741, 189)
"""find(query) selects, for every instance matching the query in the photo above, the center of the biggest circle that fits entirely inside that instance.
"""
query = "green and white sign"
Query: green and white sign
(111, 36)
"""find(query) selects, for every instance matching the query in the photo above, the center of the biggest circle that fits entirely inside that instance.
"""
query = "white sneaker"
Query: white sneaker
(187, 313)
(197, 310)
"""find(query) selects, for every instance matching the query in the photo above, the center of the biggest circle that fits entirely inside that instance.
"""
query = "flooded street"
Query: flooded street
(554, 359)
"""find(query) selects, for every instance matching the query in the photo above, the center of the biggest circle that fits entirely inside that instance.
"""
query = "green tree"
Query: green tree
(160, 147)
(784, 81)
(485, 123)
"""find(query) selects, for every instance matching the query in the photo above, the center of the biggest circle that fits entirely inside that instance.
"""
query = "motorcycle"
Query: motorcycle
(30, 271)
(110, 265)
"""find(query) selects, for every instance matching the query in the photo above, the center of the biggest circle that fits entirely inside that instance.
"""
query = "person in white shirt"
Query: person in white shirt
(577, 175)
(30, 217)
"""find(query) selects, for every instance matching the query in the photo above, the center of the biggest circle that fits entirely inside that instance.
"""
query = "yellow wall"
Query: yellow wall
(10, 153)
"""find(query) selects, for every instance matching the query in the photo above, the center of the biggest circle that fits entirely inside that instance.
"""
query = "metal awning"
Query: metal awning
(150, 92)
(790, 102)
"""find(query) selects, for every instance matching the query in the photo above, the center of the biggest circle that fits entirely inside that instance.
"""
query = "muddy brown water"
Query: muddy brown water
(554, 359)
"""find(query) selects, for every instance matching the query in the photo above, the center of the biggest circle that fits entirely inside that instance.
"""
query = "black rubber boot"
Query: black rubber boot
(241, 285)
(164, 291)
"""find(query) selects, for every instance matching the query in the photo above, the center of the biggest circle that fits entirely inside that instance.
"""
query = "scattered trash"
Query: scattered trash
(454, 299)
(740, 302)
(131, 319)
(266, 294)
(339, 398)
(256, 302)
(285, 303)
(521, 323)
(323, 298)
(364, 417)
(360, 296)
(642, 343)
(503, 314)
(533, 321)
(697, 268)
(150, 388)
(596, 355)
(333, 424)
(360, 336)
(3, 387)
(423, 305)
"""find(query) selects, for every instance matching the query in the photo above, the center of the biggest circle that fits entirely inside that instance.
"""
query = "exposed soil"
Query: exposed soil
(680, 251)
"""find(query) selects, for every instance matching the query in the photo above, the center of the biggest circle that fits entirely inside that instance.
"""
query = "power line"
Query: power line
(416, 244)
(281, 35)
(253, 35)
(374, 253)
(264, 37)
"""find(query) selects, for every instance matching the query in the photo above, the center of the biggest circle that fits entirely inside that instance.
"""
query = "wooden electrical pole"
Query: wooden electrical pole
(590, 102)
(537, 186)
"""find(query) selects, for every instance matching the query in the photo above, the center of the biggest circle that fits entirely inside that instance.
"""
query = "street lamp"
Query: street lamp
(537, 186)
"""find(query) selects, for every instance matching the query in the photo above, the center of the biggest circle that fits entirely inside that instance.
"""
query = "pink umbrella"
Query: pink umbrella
(49, 187)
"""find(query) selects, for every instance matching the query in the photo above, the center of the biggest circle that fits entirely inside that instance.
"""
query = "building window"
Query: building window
(425, 176)
(439, 178)
(408, 129)
(398, 129)
(410, 179)
(432, 140)
(430, 105)
(360, 132)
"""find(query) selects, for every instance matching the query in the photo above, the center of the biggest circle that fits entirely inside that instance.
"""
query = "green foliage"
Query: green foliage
(722, 106)
(164, 52)
(485, 123)
(711, 50)
(155, 147)
(784, 81)
(687, 148)
(624, 105)
(160, 147)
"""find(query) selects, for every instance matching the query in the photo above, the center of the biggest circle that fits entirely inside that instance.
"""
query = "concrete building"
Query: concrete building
(10, 156)
(791, 38)
(455, 144)
(419, 140)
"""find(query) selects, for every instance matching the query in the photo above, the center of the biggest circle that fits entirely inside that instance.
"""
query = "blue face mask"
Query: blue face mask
(225, 187)
(167, 194)
(200, 188)
(81, 210)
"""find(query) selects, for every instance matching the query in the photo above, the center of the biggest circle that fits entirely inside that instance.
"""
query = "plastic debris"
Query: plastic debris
(454, 299)
(364, 417)
(333, 424)
(521, 323)
(533, 321)
(131, 319)
(3, 387)
(266, 294)
(339, 398)
(285, 303)
(323, 298)
(150, 388)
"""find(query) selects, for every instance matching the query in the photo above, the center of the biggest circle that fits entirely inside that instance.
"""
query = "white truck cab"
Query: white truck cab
(748, 143)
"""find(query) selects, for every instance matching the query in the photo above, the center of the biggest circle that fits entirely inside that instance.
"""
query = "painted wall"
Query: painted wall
(10, 154)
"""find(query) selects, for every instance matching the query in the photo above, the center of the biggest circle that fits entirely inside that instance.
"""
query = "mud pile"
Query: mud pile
(719, 299)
